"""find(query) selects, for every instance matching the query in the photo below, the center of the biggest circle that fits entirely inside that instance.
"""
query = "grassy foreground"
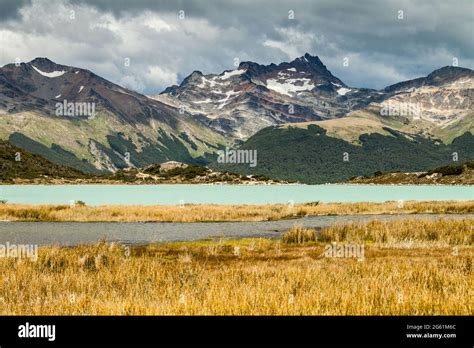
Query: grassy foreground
(202, 213)
(416, 267)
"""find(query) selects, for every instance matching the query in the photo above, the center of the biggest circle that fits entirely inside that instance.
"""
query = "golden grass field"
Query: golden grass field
(202, 213)
(410, 267)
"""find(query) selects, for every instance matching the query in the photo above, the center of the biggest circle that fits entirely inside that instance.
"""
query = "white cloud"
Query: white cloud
(294, 43)
(162, 76)
(132, 82)
(157, 46)
(155, 22)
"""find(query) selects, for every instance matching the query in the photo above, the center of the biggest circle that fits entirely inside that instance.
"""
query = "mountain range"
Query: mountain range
(305, 123)
(240, 102)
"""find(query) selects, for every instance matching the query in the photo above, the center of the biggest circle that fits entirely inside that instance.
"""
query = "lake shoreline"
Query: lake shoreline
(87, 182)
(72, 233)
(79, 212)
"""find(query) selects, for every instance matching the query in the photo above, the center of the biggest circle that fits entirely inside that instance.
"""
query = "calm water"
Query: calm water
(76, 233)
(226, 194)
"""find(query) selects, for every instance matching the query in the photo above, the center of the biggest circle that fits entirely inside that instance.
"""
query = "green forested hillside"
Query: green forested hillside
(16, 163)
(309, 155)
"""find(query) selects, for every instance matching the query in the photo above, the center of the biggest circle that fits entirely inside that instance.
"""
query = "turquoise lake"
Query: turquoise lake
(226, 194)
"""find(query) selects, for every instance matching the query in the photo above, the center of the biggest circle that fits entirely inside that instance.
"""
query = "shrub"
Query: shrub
(312, 204)
(448, 170)
(189, 172)
(153, 169)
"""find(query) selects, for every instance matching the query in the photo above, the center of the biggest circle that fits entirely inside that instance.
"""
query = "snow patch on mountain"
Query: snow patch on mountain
(229, 74)
(202, 101)
(49, 74)
(226, 99)
(205, 82)
(289, 86)
(283, 75)
(343, 91)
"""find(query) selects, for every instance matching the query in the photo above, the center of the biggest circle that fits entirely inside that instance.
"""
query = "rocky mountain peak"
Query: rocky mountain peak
(195, 76)
(448, 74)
(442, 76)
(42, 61)
(46, 64)
(308, 60)
(306, 63)
(255, 69)
(314, 66)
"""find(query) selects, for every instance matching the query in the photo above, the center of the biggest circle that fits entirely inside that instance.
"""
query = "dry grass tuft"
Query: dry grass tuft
(299, 235)
(389, 233)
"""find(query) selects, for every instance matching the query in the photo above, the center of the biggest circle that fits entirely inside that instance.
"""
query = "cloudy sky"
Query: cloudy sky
(164, 41)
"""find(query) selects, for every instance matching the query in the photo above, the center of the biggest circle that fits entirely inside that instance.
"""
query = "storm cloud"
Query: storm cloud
(149, 45)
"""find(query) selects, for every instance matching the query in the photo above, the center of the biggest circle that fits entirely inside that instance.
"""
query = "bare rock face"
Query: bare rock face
(443, 97)
(170, 165)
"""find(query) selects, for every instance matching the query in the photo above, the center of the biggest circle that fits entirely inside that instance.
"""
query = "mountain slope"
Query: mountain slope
(441, 99)
(126, 129)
